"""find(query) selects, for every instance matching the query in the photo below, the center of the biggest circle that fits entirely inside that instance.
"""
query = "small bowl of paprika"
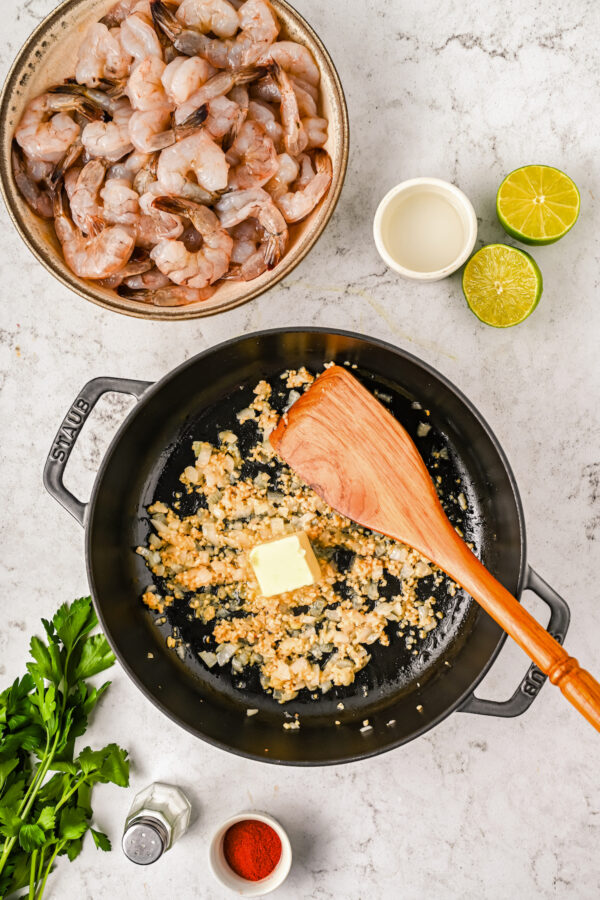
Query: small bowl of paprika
(251, 854)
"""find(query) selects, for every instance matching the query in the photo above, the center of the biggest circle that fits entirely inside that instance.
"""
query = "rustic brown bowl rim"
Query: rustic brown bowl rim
(171, 314)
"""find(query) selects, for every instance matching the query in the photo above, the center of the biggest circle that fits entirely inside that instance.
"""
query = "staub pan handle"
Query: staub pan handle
(69, 431)
(534, 678)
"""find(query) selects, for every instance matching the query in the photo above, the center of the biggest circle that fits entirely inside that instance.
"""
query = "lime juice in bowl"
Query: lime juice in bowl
(425, 229)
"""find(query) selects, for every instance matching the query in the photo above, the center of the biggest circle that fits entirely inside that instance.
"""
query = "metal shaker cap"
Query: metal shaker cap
(145, 840)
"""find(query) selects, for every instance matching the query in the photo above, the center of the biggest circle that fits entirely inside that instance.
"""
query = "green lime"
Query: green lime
(502, 285)
(537, 204)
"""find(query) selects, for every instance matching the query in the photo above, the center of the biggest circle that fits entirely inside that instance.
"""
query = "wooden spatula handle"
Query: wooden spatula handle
(579, 687)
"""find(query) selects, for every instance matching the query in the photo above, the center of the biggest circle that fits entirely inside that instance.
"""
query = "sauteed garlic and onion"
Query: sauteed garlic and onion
(316, 637)
(188, 141)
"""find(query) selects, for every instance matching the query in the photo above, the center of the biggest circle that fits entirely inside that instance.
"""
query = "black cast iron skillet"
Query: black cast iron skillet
(402, 694)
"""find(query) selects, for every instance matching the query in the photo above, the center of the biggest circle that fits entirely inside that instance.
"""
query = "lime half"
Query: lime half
(537, 204)
(502, 285)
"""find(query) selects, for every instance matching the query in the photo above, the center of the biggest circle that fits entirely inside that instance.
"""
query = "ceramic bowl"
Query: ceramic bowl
(48, 57)
(228, 877)
(455, 197)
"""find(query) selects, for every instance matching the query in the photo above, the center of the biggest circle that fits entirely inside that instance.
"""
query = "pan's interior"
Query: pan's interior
(399, 693)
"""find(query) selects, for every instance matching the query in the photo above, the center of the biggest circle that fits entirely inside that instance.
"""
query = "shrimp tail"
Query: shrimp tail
(176, 206)
(234, 273)
(200, 195)
(322, 161)
(192, 123)
(165, 20)
(70, 157)
(172, 295)
(274, 248)
(247, 74)
(93, 225)
(85, 100)
(39, 200)
(229, 138)
(113, 88)
(143, 294)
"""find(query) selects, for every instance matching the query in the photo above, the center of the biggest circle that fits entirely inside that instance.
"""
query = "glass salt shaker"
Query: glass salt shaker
(159, 816)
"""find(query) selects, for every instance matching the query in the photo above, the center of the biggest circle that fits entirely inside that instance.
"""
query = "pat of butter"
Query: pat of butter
(285, 564)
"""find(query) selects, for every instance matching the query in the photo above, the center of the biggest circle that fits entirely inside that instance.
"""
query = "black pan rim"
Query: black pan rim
(150, 393)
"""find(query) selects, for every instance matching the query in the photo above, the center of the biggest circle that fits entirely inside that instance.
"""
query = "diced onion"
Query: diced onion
(209, 658)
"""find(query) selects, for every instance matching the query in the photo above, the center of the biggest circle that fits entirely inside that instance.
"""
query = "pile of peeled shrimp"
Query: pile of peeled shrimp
(187, 142)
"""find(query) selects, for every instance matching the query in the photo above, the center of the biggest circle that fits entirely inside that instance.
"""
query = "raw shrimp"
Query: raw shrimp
(264, 113)
(294, 135)
(46, 131)
(131, 167)
(306, 171)
(237, 206)
(248, 256)
(295, 205)
(133, 269)
(121, 203)
(220, 53)
(258, 21)
(101, 55)
(315, 129)
(157, 224)
(173, 295)
(223, 115)
(153, 278)
(84, 200)
(194, 269)
(149, 130)
(217, 86)
(216, 16)
(239, 95)
(183, 76)
(146, 174)
(197, 154)
(123, 206)
(70, 180)
(91, 257)
(110, 140)
(246, 236)
(295, 59)
(265, 89)
(37, 197)
(252, 156)
(63, 165)
(119, 12)
(139, 38)
(36, 169)
(145, 88)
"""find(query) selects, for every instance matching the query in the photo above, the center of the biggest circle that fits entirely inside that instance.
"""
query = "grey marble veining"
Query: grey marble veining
(478, 807)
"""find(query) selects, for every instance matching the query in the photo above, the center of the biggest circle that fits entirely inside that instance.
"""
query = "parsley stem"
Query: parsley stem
(32, 874)
(35, 783)
(59, 847)
(41, 864)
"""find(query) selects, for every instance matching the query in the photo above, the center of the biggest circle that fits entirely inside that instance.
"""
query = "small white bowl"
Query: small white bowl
(228, 877)
(436, 186)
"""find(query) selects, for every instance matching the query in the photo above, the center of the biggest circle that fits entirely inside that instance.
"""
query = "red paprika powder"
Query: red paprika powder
(252, 849)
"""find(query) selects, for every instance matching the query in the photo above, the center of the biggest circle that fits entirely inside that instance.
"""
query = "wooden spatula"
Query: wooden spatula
(361, 461)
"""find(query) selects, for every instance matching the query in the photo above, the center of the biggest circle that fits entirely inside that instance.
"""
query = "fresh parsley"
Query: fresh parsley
(44, 815)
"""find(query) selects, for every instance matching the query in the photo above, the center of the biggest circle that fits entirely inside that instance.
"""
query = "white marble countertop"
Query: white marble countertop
(478, 807)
